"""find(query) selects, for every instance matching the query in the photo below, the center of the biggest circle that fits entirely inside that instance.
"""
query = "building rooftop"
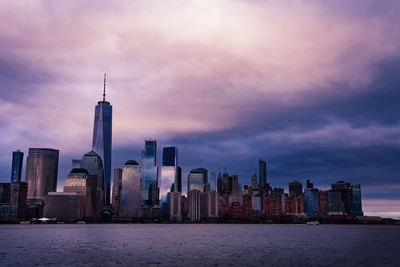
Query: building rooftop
(131, 162)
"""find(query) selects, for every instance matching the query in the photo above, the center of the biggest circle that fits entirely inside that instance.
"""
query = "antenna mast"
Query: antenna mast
(104, 92)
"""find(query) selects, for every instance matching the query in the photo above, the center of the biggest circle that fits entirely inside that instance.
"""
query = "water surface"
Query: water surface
(199, 244)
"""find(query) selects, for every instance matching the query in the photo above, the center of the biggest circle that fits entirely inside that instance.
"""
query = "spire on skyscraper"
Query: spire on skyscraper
(104, 91)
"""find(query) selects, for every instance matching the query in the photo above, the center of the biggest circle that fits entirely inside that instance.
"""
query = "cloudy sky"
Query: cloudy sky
(313, 87)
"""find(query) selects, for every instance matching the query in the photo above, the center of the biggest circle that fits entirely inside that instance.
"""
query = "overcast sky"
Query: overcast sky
(313, 87)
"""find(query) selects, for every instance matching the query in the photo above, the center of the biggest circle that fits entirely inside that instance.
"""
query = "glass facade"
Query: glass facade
(170, 156)
(16, 169)
(212, 180)
(167, 179)
(357, 206)
(102, 137)
(130, 202)
(149, 185)
(41, 172)
(197, 179)
(92, 162)
(311, 201)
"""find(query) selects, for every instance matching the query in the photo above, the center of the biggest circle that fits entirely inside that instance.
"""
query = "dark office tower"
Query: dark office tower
(254, 183)
(19, 192)
(295, 189)
(149, 184)
(41, 172)
(116, 192)
(262, 165)
(178, 185)
(102, 136)
(16, 168)
(170, 156)
(346, 195)
(357, 206)
(219, 184)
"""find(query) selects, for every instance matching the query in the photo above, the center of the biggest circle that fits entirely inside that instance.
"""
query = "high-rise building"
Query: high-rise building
(130, 204)
(170, 156)
(167, 179)
(16, 169)
(116, 192)
(194, 205)
(178, 185)
(212, 177)
(19, 191)
(346, 195)
(219, 184)
(254, 183)
(41, 172)
(102, 138)
(295, 189)
(175, 206)
(262, 165)
(323, 202)
(149, 185)
(197, 178)
(311, 201)
(357, 205)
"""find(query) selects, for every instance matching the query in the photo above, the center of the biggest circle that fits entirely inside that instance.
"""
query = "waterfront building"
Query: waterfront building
(19, 192)
(346, 195)
(357, 205)
(311, 199)
(64, 206)
(175, 206)
(167, 179)
(131, 204)
(102, 138)
(5, 192)
(197, 178)
(323, 202)
(335, 203)
(116, 192)
(93, 163)
(149, 185)
(295, 189)
(194, 205)
(41, 173)
(16, 167)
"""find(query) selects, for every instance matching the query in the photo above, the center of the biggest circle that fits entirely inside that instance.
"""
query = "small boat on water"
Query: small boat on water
(313, 223)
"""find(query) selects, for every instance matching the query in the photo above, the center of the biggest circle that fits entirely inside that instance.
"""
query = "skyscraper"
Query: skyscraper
(130, 204)
(357, 205)
(149, 185)
(295, 189)
(102, 137)
(16, 169)
(197, 178)
(262, 165)
(170, 156)
(41, 172)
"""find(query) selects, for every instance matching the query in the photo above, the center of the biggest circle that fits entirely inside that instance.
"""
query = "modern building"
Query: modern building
(130, 203)
(64, 206)
(212, 180)
(311, 201)
(254, 183)
(323, 202)
(175, 206)
(149, 185)
(197, 178)
(357, 205)
(16, 167)
(102, 138)
(170, 156)
(5, 192)
(178, 184)
(295, 189)
(19, 191)
(346, 195)
(194, 205)
(41, 172)
(93, 163)
(167, 179)
(116, 191)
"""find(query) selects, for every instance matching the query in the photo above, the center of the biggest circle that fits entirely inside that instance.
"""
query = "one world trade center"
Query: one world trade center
(102, 135)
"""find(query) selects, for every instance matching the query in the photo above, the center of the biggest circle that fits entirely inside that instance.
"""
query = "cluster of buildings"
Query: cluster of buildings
(144, 191)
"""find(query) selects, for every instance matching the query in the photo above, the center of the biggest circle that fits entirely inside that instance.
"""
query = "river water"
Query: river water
(199, 245)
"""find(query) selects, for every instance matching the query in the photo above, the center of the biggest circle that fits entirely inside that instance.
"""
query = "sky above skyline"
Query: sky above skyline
(310, 86)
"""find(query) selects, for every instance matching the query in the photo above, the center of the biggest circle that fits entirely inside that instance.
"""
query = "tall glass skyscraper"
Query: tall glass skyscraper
(149, 184)
(41, 172)
(16, 168)
(102, 137)
(170, 156)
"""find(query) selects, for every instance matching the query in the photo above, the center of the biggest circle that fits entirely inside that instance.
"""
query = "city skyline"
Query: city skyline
(217, 101)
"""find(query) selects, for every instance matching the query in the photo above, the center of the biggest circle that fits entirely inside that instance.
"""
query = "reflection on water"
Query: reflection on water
(201, 244)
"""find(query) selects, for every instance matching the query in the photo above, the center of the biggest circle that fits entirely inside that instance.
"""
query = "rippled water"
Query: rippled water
(200, 244)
